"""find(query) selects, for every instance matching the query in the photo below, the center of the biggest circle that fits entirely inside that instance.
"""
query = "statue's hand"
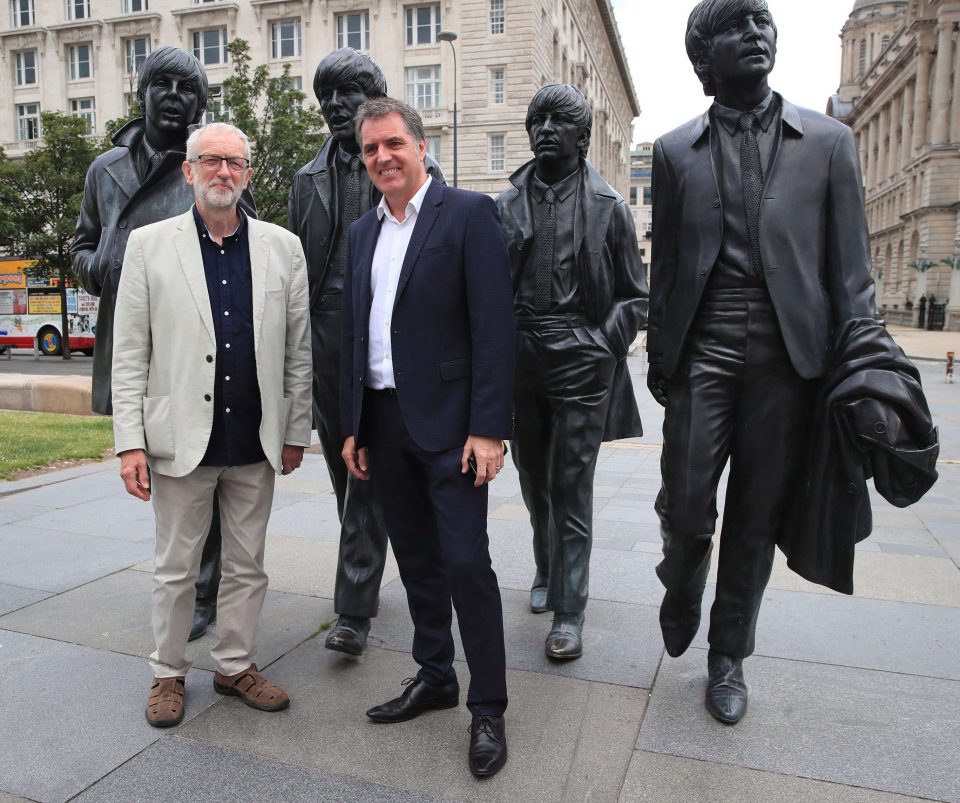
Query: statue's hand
(657, 384)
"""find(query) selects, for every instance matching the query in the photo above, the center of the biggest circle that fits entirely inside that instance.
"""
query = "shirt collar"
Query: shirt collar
(728, 117)
(413, 205)
(202, 227)
(345, 157)
(561, 189)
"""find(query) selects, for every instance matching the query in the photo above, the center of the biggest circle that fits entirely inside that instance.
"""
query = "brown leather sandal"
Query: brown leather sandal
(165, 704)
(253, 688)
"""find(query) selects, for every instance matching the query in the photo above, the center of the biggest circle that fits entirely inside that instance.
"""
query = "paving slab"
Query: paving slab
(901, 637)
(568, 739)
(113, 614)
(654, 778)
(307, 519)
(612, 653)
(49, 560)
(121, 517)
(176, 769)
(71, 714)
(14, 597)
(5, 798)
(309, 565)
(879, 730)
(69, 489)
(12, 509)
(879, 575)
(615, 575)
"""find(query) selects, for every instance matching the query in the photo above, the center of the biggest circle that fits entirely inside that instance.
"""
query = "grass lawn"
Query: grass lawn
(34, 440)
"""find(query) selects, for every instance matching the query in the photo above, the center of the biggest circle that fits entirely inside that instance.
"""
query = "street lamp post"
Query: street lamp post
(449, 37)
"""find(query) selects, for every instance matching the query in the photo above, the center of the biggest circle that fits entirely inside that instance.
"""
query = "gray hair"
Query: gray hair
(375, 108)
(220, 127)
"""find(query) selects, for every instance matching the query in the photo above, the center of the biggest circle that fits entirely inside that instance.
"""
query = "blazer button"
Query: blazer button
(206, 397)
(879, 427)
(122, 224)
(209, 358)
(771, 270)
(851, 488)
(116, 263)
(716, 203)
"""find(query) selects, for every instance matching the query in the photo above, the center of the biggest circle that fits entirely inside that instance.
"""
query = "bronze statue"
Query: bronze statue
(760, 253)
(141, 181)
(327, 195)
(580, 296)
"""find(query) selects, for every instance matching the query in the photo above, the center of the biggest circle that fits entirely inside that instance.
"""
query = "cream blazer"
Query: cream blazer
(164, 348)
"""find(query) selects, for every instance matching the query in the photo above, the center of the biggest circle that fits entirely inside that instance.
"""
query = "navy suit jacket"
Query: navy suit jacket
(453, 338)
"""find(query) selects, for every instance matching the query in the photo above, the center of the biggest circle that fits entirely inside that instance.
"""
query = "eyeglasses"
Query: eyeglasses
(211, 162)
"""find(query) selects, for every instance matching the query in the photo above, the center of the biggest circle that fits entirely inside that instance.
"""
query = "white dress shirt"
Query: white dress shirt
(384, 277)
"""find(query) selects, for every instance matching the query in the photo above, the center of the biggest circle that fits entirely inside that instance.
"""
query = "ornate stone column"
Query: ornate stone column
(920, 96)
(871, 168)
(883, 128)
(893, 152)
(906, 143)
(940, 133)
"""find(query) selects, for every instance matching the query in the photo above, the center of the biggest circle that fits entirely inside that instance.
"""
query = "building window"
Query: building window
(130, 103)
(497, 82)
(22, 13)
(353, 30)
(498, 152)
(433, 148)
(884, 41)
(78, 58)
(496, 16)
(648, 196)
(28, 121)
(210, 45)
(423, 24)
(216, 110)
(135, 51)
(78, 9)
(26, 67)
(423, 87)
(863, 56)
(633, 196)
(285, 39)
(83, 107)
(133, 6)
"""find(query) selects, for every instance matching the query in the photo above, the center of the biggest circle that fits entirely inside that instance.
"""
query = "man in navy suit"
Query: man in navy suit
(427, 370)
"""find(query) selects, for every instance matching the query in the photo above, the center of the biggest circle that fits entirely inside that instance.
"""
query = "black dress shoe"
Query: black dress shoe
(565, 639)
(349, 635)
(204, 614)
(488, 745)
(726, 697)
(418, 697)
(679, 622)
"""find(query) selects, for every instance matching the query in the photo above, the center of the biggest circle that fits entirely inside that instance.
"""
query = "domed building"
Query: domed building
(900, 92)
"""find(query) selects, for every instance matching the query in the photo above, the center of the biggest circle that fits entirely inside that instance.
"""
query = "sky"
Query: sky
(807, 71)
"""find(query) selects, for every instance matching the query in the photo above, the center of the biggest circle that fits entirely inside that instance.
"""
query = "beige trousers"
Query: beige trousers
(183, 507)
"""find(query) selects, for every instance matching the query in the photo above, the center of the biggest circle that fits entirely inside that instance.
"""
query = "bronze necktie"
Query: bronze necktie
(751, 176)
(544, 256)
(351, 201)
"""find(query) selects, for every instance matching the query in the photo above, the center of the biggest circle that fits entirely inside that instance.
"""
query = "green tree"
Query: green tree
(284, 133)
(46, 187)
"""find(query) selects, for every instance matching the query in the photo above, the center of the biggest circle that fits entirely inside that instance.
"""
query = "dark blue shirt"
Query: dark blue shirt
(235, 437)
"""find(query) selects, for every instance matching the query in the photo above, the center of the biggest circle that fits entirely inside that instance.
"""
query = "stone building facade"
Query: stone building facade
(80, 56)
(641, 198)
(900, 92)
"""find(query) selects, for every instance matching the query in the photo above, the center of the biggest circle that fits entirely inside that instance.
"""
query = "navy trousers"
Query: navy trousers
(437, 523)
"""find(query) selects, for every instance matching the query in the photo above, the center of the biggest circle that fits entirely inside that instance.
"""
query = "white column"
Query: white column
(893, 151)
(920, 96)
(906, 143)
(941, 85)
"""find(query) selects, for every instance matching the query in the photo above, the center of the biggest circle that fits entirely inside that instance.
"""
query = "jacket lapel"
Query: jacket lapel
(429, 212)
(191, 263)
(259, 267)
(124, 172)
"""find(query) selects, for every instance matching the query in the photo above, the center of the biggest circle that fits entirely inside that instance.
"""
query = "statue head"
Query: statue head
(559, 121)
(345, 79)
(184, 98)
(731, 41)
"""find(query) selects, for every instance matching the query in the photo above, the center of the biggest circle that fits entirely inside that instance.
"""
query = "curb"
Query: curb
(9, 488)
(71, 395)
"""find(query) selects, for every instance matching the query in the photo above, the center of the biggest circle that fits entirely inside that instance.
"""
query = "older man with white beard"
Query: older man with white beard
(211, 392)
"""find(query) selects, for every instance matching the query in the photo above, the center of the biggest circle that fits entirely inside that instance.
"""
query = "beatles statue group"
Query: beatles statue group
(760, 320)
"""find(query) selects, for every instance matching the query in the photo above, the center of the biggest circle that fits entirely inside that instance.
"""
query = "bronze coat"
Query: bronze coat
(612, 278)
(114, 204)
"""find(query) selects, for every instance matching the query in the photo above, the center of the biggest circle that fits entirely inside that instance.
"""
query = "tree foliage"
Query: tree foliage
(284, 133)
(45, 189)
